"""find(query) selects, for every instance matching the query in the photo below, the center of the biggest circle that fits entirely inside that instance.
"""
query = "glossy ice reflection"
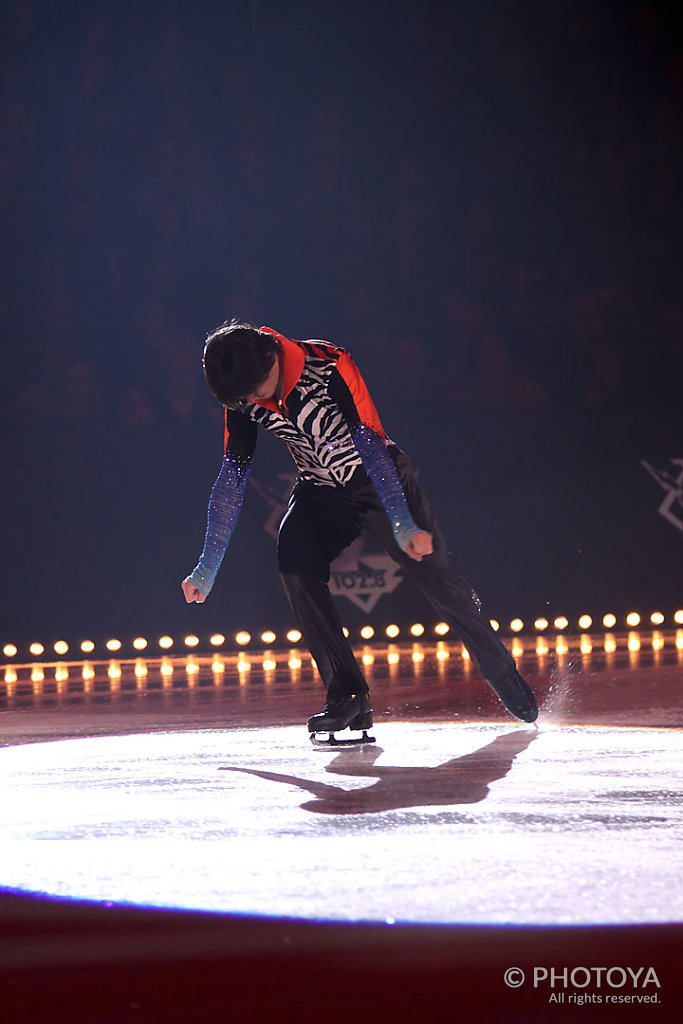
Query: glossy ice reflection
(437, 822)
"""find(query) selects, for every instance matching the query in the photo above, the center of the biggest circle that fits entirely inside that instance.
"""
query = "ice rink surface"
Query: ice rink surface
(228, 862)
(444, 822)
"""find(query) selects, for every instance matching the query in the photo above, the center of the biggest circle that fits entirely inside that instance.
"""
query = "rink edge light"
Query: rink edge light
(156, 646)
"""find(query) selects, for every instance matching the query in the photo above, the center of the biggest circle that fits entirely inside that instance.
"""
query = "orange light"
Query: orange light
(140, 644)
(561, 622)
(294, 636)
(242, 638)
(191, 641)
(609, 620)
(87, 646)
(516, 625)
(392, 631)
(633, 619)
(268, 637)
(585, 622)
(417, 629)
(541, 624)
(217, 640)
(36, 649)
(442, 628)
(367, 632)
(657, 619)
(113, 645)
(9, 650)
(165, 642)
(495, 625)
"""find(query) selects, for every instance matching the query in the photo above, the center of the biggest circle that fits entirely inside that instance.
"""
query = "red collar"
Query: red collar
(292, 365)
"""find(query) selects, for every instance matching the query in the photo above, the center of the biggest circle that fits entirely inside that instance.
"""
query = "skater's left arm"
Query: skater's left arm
(350, 391)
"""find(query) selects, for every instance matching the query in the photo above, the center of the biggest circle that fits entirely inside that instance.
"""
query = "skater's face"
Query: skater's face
(265, 391)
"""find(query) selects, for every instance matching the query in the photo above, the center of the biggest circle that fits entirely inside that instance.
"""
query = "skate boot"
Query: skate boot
(515, 695)
(352, 711)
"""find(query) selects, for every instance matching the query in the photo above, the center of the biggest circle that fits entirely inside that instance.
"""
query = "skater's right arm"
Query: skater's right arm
(225, 503)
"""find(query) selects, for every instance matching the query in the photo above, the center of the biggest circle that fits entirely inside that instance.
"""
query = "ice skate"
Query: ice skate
(352, 712)
(516, 695)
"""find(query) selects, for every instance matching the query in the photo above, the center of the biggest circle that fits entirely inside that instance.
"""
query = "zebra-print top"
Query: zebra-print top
(331, 427)
(317, 418)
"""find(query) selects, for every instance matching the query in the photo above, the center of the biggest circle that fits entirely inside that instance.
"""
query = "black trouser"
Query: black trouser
(319, 523)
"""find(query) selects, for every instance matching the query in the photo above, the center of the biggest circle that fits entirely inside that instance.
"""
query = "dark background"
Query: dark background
(481, 200)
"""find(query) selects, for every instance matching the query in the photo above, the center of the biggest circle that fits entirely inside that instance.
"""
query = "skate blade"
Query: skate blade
(332, 741)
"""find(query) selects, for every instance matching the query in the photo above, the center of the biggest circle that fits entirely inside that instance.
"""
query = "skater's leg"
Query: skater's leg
(438, 578)
(315, 529)
(318, 621)
(454, 599)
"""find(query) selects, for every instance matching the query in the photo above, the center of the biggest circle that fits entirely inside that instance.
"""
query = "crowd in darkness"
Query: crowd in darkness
(482, 205)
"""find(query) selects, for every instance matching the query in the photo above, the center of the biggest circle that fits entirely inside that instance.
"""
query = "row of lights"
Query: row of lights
(218, 666)
(140, 643)
(392, 657)
(609, 621)
(243, 639)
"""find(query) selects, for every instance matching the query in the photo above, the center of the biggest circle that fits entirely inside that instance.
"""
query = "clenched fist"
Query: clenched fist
(191, 592)
(420, 545)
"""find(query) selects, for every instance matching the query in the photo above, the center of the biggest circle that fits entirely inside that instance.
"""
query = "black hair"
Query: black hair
(237, 358)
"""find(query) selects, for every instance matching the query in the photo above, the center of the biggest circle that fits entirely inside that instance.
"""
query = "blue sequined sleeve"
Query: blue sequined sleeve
(225, 504)
(380, 467)
(348, 389)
